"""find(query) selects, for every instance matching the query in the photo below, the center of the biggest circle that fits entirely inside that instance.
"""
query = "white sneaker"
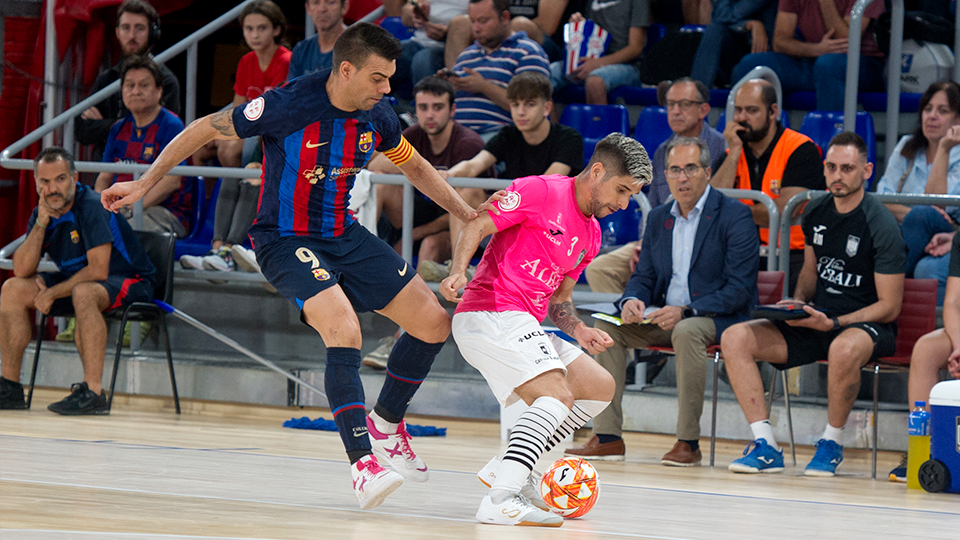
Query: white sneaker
(395, 452)
(245, 259)
(516, 510)
(222, 260)
(372, 483)
(188, 262)
(377, 359)
(530, 490)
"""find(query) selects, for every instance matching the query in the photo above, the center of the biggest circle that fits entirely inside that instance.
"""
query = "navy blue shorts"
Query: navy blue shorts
(806, 345)
(369, 271)
(123, 291)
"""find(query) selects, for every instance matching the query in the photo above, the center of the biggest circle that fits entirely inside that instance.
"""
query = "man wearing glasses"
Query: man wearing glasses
(697, 276)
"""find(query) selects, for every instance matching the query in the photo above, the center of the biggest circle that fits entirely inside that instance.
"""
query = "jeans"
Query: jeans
(613, 76)
(826, 75)
(716, 38)
(931, 267)
(918, 227)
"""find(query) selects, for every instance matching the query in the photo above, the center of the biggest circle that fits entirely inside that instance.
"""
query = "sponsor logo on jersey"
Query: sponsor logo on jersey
(537, 333)
(831, 270)
(321, 274)
(314, 175)
(853, 243)
(254, 109)
(583, 253)
(366, 141)
(818, 234)
(509, 202)
(74, 237)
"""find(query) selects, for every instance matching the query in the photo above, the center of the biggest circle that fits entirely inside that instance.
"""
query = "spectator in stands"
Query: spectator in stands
(851, 287)
(484, 69)
(443, 142)
(627, 22)
(423, 54)
(138, 27)
(765, 156)
(532, 145)
(139, 138)
(314, 54)
(937, 350)
(819, 61)
(101, 267)
(722, 42)
(261, 69)
(697, 275)
(687, 109)
(928, 162)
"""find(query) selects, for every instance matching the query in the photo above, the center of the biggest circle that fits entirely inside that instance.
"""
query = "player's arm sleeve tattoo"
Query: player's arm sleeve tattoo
(564, 315)
(223, 123)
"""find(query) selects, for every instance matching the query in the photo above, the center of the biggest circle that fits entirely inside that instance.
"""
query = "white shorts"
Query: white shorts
(509, 348)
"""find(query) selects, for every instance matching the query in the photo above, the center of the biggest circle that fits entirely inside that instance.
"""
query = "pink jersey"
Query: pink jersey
(542, 237)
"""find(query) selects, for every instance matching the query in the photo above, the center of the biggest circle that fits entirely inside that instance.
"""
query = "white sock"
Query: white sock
(382, 425)
(583, 410)
(763, 430)
(831, 433)
(527, 440)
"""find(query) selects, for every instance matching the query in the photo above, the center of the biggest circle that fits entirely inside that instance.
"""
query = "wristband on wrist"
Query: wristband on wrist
(836, 323)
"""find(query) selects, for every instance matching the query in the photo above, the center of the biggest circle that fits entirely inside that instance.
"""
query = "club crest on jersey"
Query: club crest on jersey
(148, 151)
(74, 237)
(366, 141)
(321, 274)
(314, 175)
(583, 253)
(853, 243)
(254, 109)
(775, 186)
(509, 202)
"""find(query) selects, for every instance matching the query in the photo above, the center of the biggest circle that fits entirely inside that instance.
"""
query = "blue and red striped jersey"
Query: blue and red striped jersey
(129, 143)
(312, 152)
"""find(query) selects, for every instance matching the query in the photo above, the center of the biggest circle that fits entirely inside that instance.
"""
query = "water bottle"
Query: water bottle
(609, 236)
(918, 445)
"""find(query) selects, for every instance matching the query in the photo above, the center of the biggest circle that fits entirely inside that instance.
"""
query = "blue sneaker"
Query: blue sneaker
(761, 459)
(825, 462)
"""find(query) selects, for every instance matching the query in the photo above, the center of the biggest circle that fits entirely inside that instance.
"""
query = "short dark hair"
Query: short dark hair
(436, 86)
(51, 154)
(362, 39)
(701, 88)
(849, 138)
(529, 85)
(138, 7)
(498, 5)
(269, 10)
(141, 62)
(622, 155)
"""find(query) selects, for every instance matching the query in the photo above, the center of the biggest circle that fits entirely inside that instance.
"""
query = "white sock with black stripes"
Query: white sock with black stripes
(534, 428)
(583, 410)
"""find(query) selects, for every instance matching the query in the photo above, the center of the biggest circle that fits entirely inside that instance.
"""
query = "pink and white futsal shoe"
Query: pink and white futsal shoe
(372, 483)
(393, 449)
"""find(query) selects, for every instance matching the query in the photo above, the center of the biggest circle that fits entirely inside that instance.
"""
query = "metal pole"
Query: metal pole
(956, 43)
(894, 60)
(853, 66)
(406, 240)
(190, 113)
(49, 70)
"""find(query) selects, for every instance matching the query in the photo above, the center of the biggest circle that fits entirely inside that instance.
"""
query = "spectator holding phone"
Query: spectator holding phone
(423, 54)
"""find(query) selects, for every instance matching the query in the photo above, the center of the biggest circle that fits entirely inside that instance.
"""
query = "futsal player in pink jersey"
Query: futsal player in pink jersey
(543, 238)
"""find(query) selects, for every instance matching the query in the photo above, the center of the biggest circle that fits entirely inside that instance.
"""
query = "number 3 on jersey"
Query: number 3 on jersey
(573, 242)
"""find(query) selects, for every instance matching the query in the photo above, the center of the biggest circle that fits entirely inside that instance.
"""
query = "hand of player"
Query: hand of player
(731, 134)
(940, 244)
(830, 45)
(471, 82)
(488, 204)
(632, 311)
(92, 113)
(817, 320)
(943, 213)
(951, 139)
(451, 286)
(586, 67)
(45, 214)
(576, 17)
(594, 341)
(122, 194)
(43, 301)
(635, 258)
(953, 364)
(666, 317)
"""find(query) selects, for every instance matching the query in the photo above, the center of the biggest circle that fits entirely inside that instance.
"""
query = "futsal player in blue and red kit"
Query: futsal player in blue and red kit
(318, 131)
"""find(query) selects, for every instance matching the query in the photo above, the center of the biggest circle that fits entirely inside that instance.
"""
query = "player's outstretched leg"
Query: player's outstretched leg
(407, 366)
(504, 505)
(371, 482)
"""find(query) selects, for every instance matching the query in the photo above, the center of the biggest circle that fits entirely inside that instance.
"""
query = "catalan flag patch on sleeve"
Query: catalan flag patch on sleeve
(401, 154)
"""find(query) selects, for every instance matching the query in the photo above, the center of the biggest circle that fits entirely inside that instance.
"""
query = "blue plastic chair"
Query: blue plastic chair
(595, 122)
(821, 126)
(722, 121)
(395, 26)
(652, 128)
(198, 241)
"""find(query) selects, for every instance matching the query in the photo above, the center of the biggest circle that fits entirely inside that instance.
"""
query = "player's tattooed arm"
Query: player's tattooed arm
(564, 316)
(223, 123)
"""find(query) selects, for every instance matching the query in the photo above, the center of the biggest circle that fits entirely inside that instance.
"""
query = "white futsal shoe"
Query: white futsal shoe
(530, 490)
(515, 510)
(393, 450)
(372, 483)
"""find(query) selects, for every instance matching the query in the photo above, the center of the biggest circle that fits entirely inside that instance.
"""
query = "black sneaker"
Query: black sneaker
(81, 400)
(11, 395)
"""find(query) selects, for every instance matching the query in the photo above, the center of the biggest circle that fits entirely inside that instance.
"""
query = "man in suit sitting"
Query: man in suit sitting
(697, 275)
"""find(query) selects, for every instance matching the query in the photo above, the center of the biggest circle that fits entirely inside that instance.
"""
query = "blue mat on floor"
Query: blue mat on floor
(322, 424)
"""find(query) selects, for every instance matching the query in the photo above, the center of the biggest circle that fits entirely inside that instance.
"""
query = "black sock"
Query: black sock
(694, 445)
(604, 439)
(355, 455)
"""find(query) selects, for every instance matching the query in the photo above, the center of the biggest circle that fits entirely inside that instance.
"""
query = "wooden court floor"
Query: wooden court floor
(231, 471)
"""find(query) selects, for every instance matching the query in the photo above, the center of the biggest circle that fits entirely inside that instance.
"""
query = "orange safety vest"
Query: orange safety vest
(772, 177)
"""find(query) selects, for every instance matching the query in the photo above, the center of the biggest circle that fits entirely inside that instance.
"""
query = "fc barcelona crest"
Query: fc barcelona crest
(148, 151)
(366, 141)
(321, 274)
(853, 243)
(74, 237)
